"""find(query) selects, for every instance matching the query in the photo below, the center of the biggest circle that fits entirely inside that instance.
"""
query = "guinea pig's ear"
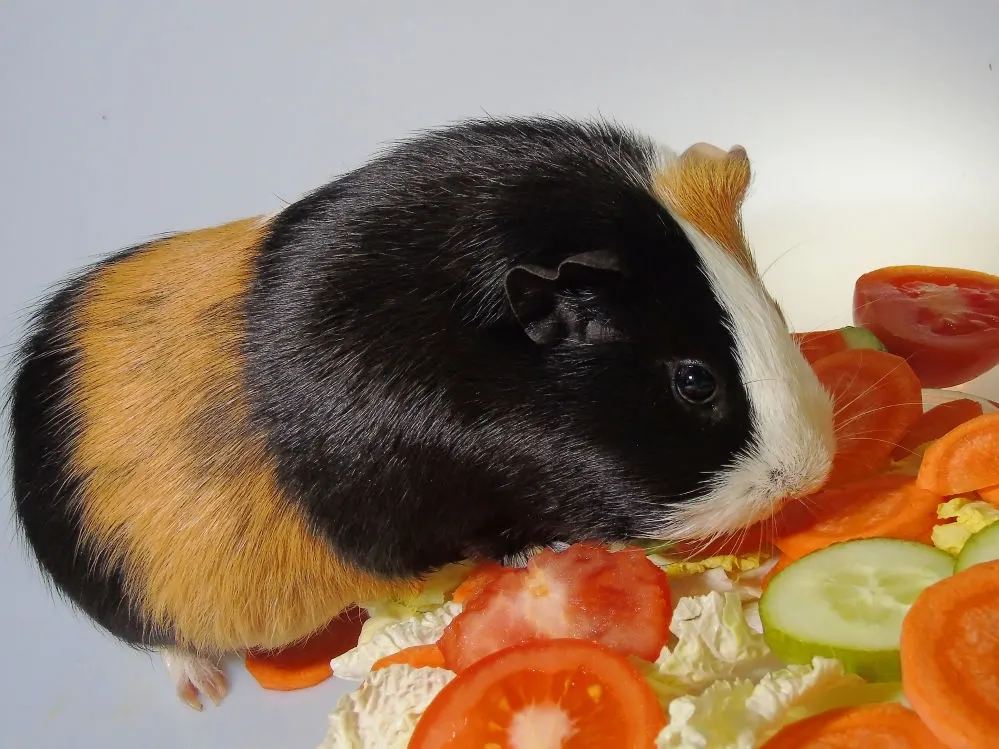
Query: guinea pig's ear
(565, 303)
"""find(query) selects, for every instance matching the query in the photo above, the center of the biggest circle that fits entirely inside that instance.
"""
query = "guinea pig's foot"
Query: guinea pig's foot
(195, 676)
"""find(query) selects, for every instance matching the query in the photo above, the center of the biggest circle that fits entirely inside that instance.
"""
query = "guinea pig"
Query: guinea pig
(491, 337)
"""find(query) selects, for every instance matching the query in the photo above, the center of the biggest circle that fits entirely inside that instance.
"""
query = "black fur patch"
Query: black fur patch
(412, 417)
(46, 494)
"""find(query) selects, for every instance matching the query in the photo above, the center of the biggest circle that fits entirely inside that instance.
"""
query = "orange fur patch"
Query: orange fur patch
(706, 187)
(177, 486)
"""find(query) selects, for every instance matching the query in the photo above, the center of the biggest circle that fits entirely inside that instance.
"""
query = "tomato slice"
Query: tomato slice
(565, 693)
(619, 599)
(943, 321)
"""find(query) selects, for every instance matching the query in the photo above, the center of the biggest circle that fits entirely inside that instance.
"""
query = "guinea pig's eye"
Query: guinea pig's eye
(695, 383)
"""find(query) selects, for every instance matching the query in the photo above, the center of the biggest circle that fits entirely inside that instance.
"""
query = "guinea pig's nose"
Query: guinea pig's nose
(777, 478)
(787, 483)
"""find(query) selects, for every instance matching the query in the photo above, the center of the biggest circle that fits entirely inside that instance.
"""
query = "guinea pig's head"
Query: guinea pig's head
(671, 356)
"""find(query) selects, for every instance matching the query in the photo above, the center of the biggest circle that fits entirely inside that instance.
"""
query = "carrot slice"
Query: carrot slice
(878, 726)
(990, 495)
(888, 506)
(478, 579)
(417, 656)
(878, 399)
(758, 537)
(950, 657)
(816, 344)
(965, 459)
(936, 423)
(306, 663)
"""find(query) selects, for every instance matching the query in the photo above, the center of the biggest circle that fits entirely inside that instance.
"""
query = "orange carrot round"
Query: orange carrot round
(307, 663)
(816, 344)
(965, 459)
(417, 656)
(478, 579)
(759, 537)
(877, 726)
(887, 506)
(990, 494)
(935, 423)
(877, 399)
(950, 657)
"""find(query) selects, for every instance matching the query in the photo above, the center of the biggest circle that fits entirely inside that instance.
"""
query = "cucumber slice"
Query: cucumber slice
(847, 601)
(981, 547)
(855, 337)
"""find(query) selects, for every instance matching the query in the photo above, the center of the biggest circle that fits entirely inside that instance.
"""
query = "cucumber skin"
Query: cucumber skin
(870, 665)
(981, 547)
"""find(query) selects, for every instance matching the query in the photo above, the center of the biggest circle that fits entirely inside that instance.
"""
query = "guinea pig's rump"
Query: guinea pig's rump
(172, 491)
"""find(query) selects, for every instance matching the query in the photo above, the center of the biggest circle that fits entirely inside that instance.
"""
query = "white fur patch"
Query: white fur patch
(195, 676)
(792, 439)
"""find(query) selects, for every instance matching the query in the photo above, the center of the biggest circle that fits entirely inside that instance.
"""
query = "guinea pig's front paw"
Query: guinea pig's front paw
(195, 676)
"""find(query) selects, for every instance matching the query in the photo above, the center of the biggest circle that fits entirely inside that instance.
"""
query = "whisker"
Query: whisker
(870, 411)
(762, 379)
(780, 257)
(864, 392)
(853, 438)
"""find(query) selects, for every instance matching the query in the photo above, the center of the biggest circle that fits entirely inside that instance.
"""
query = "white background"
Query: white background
(873, 128)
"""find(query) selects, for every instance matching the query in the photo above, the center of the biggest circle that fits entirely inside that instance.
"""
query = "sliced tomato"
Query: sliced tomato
(619, 599)
(943, 321)
(552, 693)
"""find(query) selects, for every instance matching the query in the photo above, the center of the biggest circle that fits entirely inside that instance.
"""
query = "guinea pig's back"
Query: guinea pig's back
(139, 480)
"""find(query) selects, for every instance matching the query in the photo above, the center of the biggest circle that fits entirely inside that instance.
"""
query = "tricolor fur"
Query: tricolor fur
(223, 437)
(793, 438)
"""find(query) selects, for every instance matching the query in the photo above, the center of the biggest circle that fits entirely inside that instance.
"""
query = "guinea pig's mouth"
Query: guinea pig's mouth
(751, 493)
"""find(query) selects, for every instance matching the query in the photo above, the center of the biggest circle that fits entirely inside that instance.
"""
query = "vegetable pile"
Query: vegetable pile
(866, 614)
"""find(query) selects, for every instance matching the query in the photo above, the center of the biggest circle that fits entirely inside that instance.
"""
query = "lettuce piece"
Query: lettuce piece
(742, 575)
(435, 591)
(423, 629)
(713, 641)
(649, 546)
(738, 714)
(968, 515)
(751, 611)
(726, 562)
(383, 712)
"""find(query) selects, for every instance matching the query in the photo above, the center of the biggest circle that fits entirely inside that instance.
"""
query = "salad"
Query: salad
(866, 614)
